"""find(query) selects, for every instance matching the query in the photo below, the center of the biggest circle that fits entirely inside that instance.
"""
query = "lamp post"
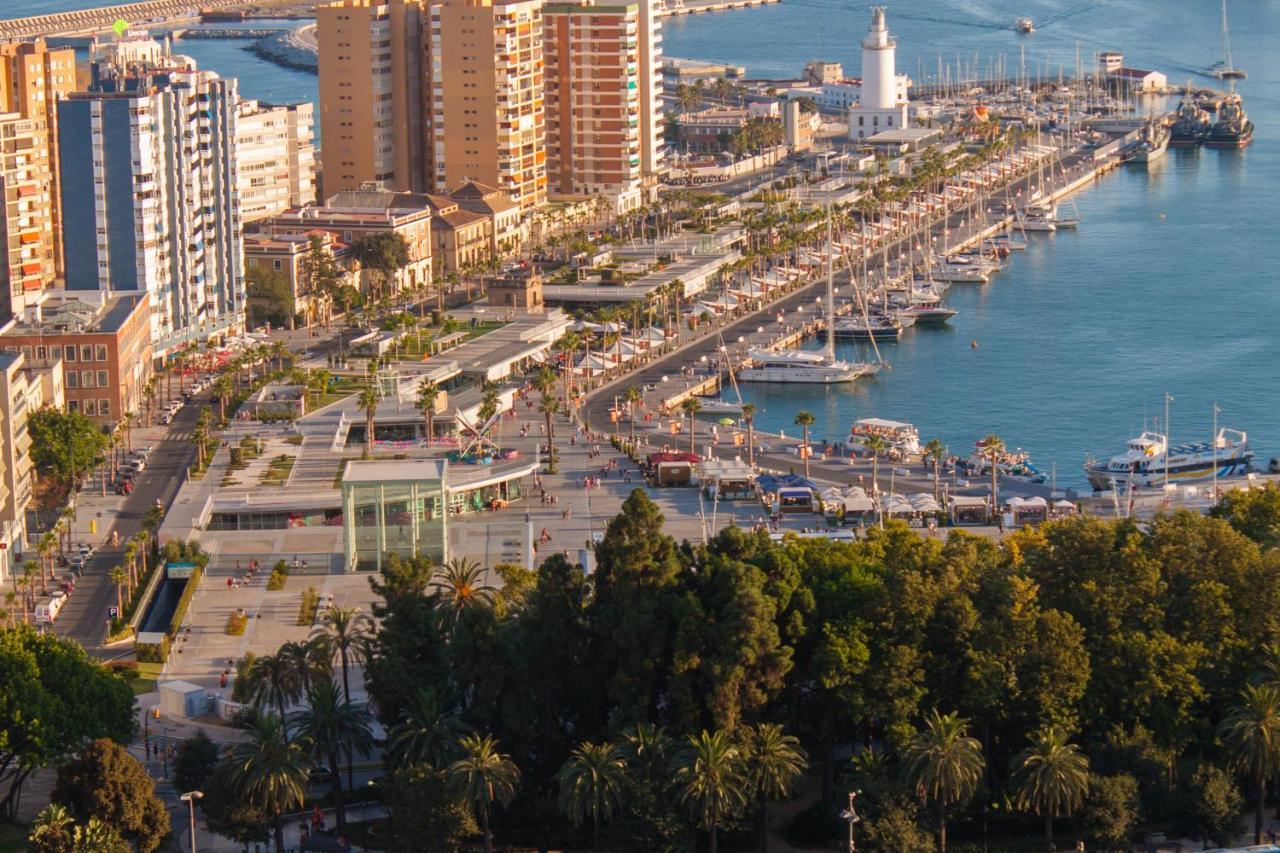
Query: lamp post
(850, 815)
(190, 799)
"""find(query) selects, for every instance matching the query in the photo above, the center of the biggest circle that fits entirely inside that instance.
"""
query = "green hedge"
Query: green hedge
(279, 574)
(187, 592)
(152, 652)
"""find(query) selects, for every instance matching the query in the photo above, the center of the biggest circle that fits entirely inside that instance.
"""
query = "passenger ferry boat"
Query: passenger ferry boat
(812, 368)
(1145, 461)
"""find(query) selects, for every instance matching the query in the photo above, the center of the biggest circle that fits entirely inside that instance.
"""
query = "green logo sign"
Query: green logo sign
(120, 26)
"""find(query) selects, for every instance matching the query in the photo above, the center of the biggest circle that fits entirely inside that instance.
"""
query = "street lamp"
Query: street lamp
(190, 799)
(850, 815)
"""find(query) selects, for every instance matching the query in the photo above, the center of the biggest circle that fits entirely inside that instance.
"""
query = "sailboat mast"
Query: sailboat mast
(831, 299)
(1226, 39)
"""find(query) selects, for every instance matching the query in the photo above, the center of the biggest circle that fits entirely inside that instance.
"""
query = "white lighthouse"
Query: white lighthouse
(882, 103)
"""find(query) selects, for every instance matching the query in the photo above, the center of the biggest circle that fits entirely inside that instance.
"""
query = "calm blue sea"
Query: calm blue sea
(1168, 286)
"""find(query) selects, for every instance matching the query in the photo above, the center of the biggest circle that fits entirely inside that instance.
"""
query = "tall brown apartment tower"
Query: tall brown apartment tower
(487, 112)
(601, 98)
(32, 80)
(373, 94)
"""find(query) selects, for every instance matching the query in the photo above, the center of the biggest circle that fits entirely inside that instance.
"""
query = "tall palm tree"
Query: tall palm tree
(993, 451)
(428, 732)
(1051, 776)
(774, 761)
(345, 632)
(936, 451)
(1251, 733)
(222, 390)
(633, 396)
(332, 727)
(710, 779)
(549, 406)
(749, 415)
(877, 445)
(592, 784)
(119, 579)
(270, 770)
(273, 683)
(804, 420)
(649, 752)
(367, 402)
(691, 406)
(483, 777)
(428, 393)
(944, 765)
(53, 828)
(310, 660)
(461, 584)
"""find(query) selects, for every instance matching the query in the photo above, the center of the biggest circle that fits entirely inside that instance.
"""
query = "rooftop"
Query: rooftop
(76, 312)
(397, 471)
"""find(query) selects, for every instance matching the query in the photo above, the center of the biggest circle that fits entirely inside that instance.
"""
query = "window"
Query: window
(26, 352)
(277, 265)
(86, 352)
(73, 405)
(91, 407)
(71, 352)
(42, 352)
(104, 408)
(103, 382)
(56, 352)
(73, 379)
(100, 352)
(86, 379)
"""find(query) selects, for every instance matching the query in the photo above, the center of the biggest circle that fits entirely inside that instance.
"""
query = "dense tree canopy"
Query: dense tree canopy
(937, 662)
(106, 782)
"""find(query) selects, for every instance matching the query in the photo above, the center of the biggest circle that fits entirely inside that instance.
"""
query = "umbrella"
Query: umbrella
(726, 422)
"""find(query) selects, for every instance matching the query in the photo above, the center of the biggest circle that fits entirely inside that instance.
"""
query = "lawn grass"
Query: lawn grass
(13, 837)
(295, 440)
(277, 473)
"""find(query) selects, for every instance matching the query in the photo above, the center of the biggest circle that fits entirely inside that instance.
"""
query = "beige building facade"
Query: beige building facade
(275, 158)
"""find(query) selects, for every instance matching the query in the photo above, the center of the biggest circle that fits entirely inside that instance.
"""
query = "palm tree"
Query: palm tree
(710, 778)
(804, 420)
(749, 415)
(428, 393)
(592, 784)
(549, 406)
(691, 406)
(993, 450)
(877, 445)
(310, 659)
(367, 402)
(633, 396)
(1052, 777)
(461, 584)
(118, 578)
(274, 683)
(222, 390)
(269, 770)
(1251, 733)
(428, 732)
(345, 632)
(943, 764)
(774, 761)
(935, 450)
(331, 727)
(649, 751)
(53, 828)
(482, 777)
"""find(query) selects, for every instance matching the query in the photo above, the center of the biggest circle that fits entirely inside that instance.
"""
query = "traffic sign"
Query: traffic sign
(113, 611)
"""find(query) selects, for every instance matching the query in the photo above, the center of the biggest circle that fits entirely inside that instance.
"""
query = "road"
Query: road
(84, 618)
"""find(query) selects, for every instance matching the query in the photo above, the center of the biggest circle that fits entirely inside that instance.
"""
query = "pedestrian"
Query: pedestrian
(230, 581)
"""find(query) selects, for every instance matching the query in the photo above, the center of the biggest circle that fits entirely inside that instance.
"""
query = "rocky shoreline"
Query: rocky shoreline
(287, 49)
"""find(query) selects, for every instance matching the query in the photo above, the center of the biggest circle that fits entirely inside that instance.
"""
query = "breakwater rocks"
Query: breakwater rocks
(287, 48)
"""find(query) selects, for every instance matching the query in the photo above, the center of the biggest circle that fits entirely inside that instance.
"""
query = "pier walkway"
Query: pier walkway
(101, 19)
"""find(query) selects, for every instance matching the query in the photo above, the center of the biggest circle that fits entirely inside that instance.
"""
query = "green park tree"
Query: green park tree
(105, 782)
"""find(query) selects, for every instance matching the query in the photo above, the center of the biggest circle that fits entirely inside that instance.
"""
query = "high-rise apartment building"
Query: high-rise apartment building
(148, 172)
(602, 94)
(32, 79)
(373, 91)
(487, 113)
(275, 158)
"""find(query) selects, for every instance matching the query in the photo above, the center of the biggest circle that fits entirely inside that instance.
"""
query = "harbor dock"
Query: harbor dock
(671, 8)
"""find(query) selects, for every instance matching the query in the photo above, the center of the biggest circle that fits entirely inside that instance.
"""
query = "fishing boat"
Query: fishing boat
(810, 368)
(1192, 124)
(1233, 129)
(1148, 462)
(1152, 145)
(897, 434)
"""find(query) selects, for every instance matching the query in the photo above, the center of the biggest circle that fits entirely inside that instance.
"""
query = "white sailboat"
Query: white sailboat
(1224, 68)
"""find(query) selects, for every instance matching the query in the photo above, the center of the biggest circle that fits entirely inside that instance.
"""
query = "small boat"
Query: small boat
(960, 273)
(1010, 463)
(876, 327)
(928, 315)
(1225, 69)
(718, 406)
(1152, 145)
(1148, 462)
(1024, 25)
(899, 435)
(1233, 129)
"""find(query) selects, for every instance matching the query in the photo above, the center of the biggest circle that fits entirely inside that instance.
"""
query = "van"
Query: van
(47, 611)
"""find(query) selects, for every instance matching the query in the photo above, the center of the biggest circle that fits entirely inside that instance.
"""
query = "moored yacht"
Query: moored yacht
(811, 368)
(1148, 462)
